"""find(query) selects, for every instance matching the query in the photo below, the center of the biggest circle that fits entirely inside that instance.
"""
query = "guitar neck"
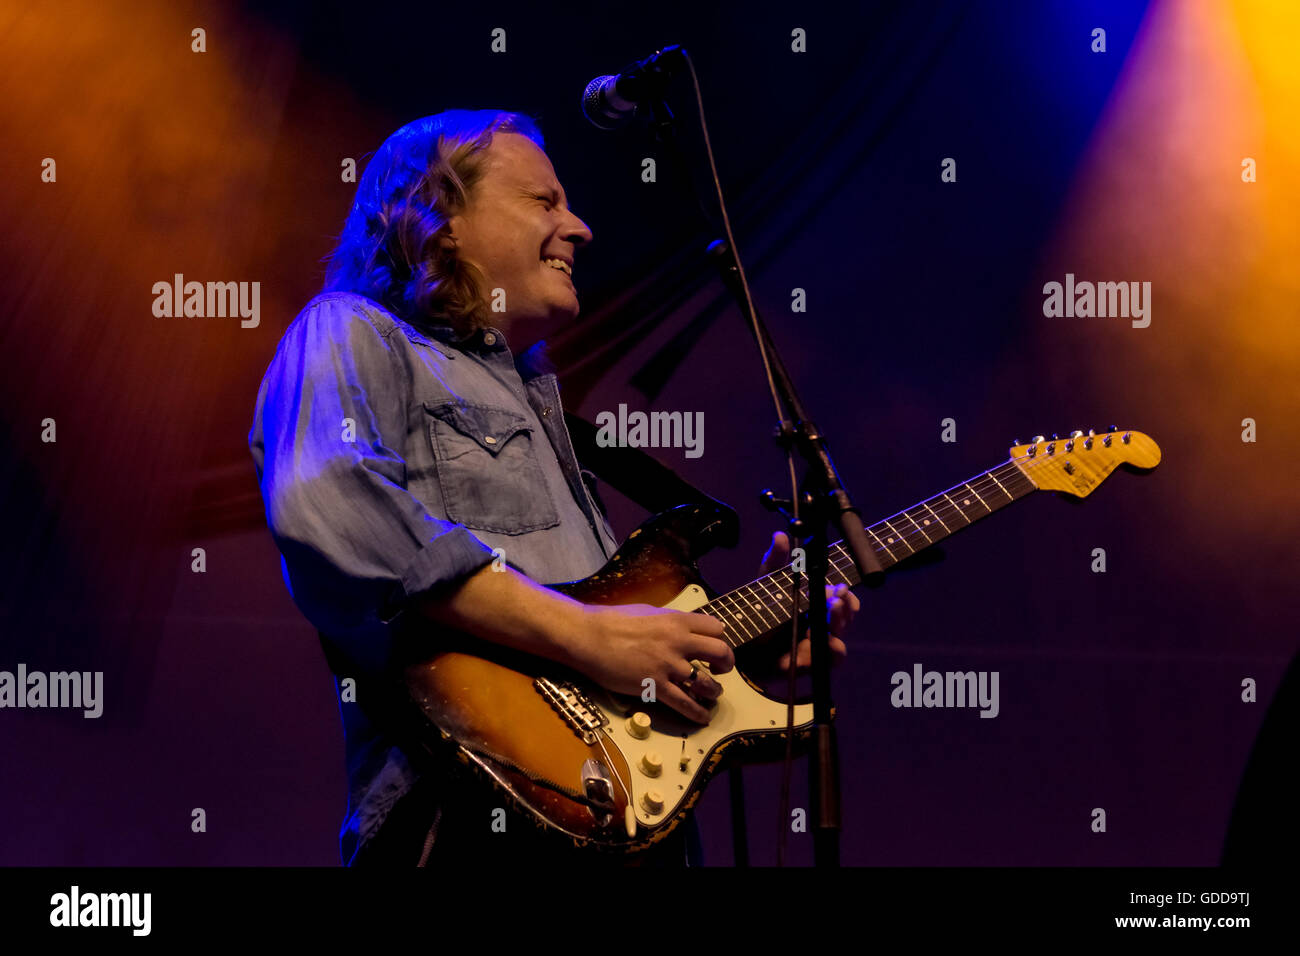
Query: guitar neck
(765, 604)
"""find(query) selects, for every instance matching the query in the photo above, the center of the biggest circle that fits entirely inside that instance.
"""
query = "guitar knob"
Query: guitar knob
(652, 765)
(652, 801)
(638, 725)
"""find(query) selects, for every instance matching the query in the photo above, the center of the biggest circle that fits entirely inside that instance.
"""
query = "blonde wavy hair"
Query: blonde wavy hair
(395, 247)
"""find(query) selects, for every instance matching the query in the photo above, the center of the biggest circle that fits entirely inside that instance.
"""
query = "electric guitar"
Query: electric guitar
(613, 772)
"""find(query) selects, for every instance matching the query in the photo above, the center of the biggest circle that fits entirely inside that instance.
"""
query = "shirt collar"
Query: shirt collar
(490, 342)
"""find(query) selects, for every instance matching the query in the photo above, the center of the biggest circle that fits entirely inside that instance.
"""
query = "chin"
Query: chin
(565, 312)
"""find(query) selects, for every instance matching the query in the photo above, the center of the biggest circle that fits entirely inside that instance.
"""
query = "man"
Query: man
(399, 439)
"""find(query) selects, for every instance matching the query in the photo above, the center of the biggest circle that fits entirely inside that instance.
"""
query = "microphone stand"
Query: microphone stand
(824, 501)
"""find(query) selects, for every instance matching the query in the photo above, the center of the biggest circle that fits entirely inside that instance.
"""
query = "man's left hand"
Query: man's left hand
(841, 606)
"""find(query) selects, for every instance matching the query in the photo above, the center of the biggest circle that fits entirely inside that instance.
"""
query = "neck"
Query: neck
(761, 606)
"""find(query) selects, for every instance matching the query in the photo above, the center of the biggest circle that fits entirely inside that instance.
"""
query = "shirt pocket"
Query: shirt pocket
(488, 470)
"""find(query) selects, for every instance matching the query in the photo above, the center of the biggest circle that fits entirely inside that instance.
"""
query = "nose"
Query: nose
(576, 231)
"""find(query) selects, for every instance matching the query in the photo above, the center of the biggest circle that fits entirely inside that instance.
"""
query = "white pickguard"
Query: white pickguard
(740, 710)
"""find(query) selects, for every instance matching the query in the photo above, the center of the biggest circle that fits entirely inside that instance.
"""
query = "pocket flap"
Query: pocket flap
(488, 425)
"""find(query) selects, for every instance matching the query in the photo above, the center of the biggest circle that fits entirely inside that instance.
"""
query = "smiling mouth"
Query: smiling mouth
(559, 265)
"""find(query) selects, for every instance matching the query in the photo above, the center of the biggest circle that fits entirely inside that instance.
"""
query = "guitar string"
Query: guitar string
(989, 483)
(980, 485)
(839, 561)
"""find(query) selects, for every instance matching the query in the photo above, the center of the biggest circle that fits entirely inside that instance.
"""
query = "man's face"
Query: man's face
(517, 217)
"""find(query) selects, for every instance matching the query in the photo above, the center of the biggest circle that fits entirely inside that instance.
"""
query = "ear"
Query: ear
(450, 239)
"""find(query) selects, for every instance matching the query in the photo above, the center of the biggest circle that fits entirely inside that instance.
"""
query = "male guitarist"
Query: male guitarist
(408, 425)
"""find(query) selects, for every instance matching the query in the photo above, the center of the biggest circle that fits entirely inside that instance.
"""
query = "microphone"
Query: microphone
(610, 101)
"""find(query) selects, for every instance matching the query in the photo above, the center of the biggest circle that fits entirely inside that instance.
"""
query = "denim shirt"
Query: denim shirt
(392, 460)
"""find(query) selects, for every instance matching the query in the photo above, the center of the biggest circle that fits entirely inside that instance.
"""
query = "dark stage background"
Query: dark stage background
(1119, 690)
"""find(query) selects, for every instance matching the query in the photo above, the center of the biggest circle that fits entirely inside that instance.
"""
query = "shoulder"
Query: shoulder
(354, 318)
(340, 310)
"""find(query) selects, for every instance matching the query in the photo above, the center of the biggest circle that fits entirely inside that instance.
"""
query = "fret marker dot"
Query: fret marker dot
(890, 540)
(965, 501)
(927, 520)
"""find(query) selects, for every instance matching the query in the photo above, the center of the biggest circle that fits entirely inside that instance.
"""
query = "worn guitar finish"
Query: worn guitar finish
(583, 762)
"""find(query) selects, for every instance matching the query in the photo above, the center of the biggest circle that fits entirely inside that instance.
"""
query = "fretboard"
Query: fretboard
(759, 607)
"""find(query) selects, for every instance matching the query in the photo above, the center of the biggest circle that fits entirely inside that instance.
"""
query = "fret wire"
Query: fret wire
(877, 537)
(987, 509)
(745, 626)
(715, 609)
(844, 578)
(936, 517)
(762, 604)
(738, 615)
(803, 589)
(780, 597)
(897, 535)
(956, 508)
(1010, 497)
(918, 527)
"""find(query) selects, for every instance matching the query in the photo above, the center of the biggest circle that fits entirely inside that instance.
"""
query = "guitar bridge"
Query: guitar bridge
(583, 717)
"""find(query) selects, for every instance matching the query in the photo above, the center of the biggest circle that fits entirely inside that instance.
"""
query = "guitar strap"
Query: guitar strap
(642, 478)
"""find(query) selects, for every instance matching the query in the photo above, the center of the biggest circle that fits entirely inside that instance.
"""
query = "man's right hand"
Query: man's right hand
(618, 646)
(623, 645)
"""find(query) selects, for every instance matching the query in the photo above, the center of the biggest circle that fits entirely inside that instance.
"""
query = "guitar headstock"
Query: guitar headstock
(1078, 464)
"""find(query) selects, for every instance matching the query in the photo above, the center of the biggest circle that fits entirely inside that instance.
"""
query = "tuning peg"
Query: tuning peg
(1055, 436)
(1076, 433)
(1037, 439)
(1014, 442)
(1091, 433)
(1113, 428)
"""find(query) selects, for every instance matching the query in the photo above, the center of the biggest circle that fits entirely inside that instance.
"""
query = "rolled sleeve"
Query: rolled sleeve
(356, 544)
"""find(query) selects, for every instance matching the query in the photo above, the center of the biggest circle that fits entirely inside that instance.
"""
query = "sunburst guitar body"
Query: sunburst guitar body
(618, 773)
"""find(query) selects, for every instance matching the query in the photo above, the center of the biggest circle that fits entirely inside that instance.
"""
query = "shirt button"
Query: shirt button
(545, 412)
(489, 439)
(489, 339)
